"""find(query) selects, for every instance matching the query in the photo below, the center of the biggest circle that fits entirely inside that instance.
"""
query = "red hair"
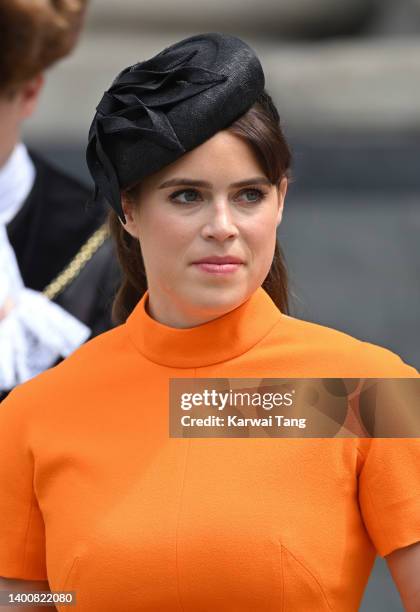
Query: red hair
(33, 35)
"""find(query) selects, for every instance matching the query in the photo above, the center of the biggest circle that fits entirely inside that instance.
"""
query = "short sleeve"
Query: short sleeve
(389, 492)
(22, 533)
(379, 361)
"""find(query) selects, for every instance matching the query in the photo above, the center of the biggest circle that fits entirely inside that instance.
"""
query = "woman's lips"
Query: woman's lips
(216, 268)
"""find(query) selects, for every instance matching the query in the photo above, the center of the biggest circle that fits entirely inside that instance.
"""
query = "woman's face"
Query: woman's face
(213, 202)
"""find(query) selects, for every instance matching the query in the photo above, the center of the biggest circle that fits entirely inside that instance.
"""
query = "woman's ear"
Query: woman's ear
(130, 225)
(281, 195)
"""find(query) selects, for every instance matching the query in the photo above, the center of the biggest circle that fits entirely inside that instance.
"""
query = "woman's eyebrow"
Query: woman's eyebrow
(197, 183)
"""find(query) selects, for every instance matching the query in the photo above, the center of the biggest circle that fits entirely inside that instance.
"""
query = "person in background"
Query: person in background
(57, 269)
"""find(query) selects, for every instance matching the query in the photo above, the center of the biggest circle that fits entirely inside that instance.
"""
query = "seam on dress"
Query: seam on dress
(282, 578)
(373, 508)
(311, 574)
(26, 537)
(359, 452)
(69, 574)
(181, 497)
(377, 517)
(33, 503)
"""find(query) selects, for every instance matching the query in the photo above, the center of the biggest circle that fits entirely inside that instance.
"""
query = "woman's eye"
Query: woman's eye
(190, 195)
(256, 195)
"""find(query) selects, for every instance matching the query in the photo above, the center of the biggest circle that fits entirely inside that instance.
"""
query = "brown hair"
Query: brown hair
(33, 35)
(260, 127)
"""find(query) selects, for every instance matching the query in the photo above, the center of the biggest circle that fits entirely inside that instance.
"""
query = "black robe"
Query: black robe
(50, 228)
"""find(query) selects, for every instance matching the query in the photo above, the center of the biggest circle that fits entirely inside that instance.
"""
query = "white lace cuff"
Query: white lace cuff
(34, 335)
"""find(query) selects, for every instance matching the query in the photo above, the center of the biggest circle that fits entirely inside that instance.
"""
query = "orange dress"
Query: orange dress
(98, 499)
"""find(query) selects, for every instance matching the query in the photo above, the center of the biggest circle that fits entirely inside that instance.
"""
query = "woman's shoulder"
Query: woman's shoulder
(334, 348)
(100, 352)
(94, 362)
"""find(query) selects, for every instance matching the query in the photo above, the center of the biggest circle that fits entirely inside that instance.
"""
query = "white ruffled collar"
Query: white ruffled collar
(17, 177)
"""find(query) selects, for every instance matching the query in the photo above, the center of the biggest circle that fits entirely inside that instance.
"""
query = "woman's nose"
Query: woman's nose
(220, 224)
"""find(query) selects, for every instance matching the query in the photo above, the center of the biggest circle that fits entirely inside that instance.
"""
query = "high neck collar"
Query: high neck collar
(219, 340)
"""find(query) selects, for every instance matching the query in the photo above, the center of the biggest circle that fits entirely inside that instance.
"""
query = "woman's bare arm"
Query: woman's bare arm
(11, 584)
(404, 565)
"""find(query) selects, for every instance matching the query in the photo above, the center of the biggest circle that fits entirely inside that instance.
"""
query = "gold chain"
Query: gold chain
(85, 253)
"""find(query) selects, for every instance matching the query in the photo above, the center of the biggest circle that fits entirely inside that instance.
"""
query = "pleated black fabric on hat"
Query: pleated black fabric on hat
(158, 109)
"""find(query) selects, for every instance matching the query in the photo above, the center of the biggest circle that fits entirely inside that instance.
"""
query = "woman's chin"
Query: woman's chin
(218, 300)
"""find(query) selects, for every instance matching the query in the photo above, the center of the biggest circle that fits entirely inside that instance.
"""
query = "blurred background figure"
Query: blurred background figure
(57, 269)
(345, 77)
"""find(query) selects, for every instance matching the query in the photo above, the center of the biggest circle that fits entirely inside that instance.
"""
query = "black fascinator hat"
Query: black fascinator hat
(158, 109)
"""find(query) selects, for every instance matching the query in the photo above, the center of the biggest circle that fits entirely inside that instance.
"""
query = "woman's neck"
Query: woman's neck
(177, 314)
